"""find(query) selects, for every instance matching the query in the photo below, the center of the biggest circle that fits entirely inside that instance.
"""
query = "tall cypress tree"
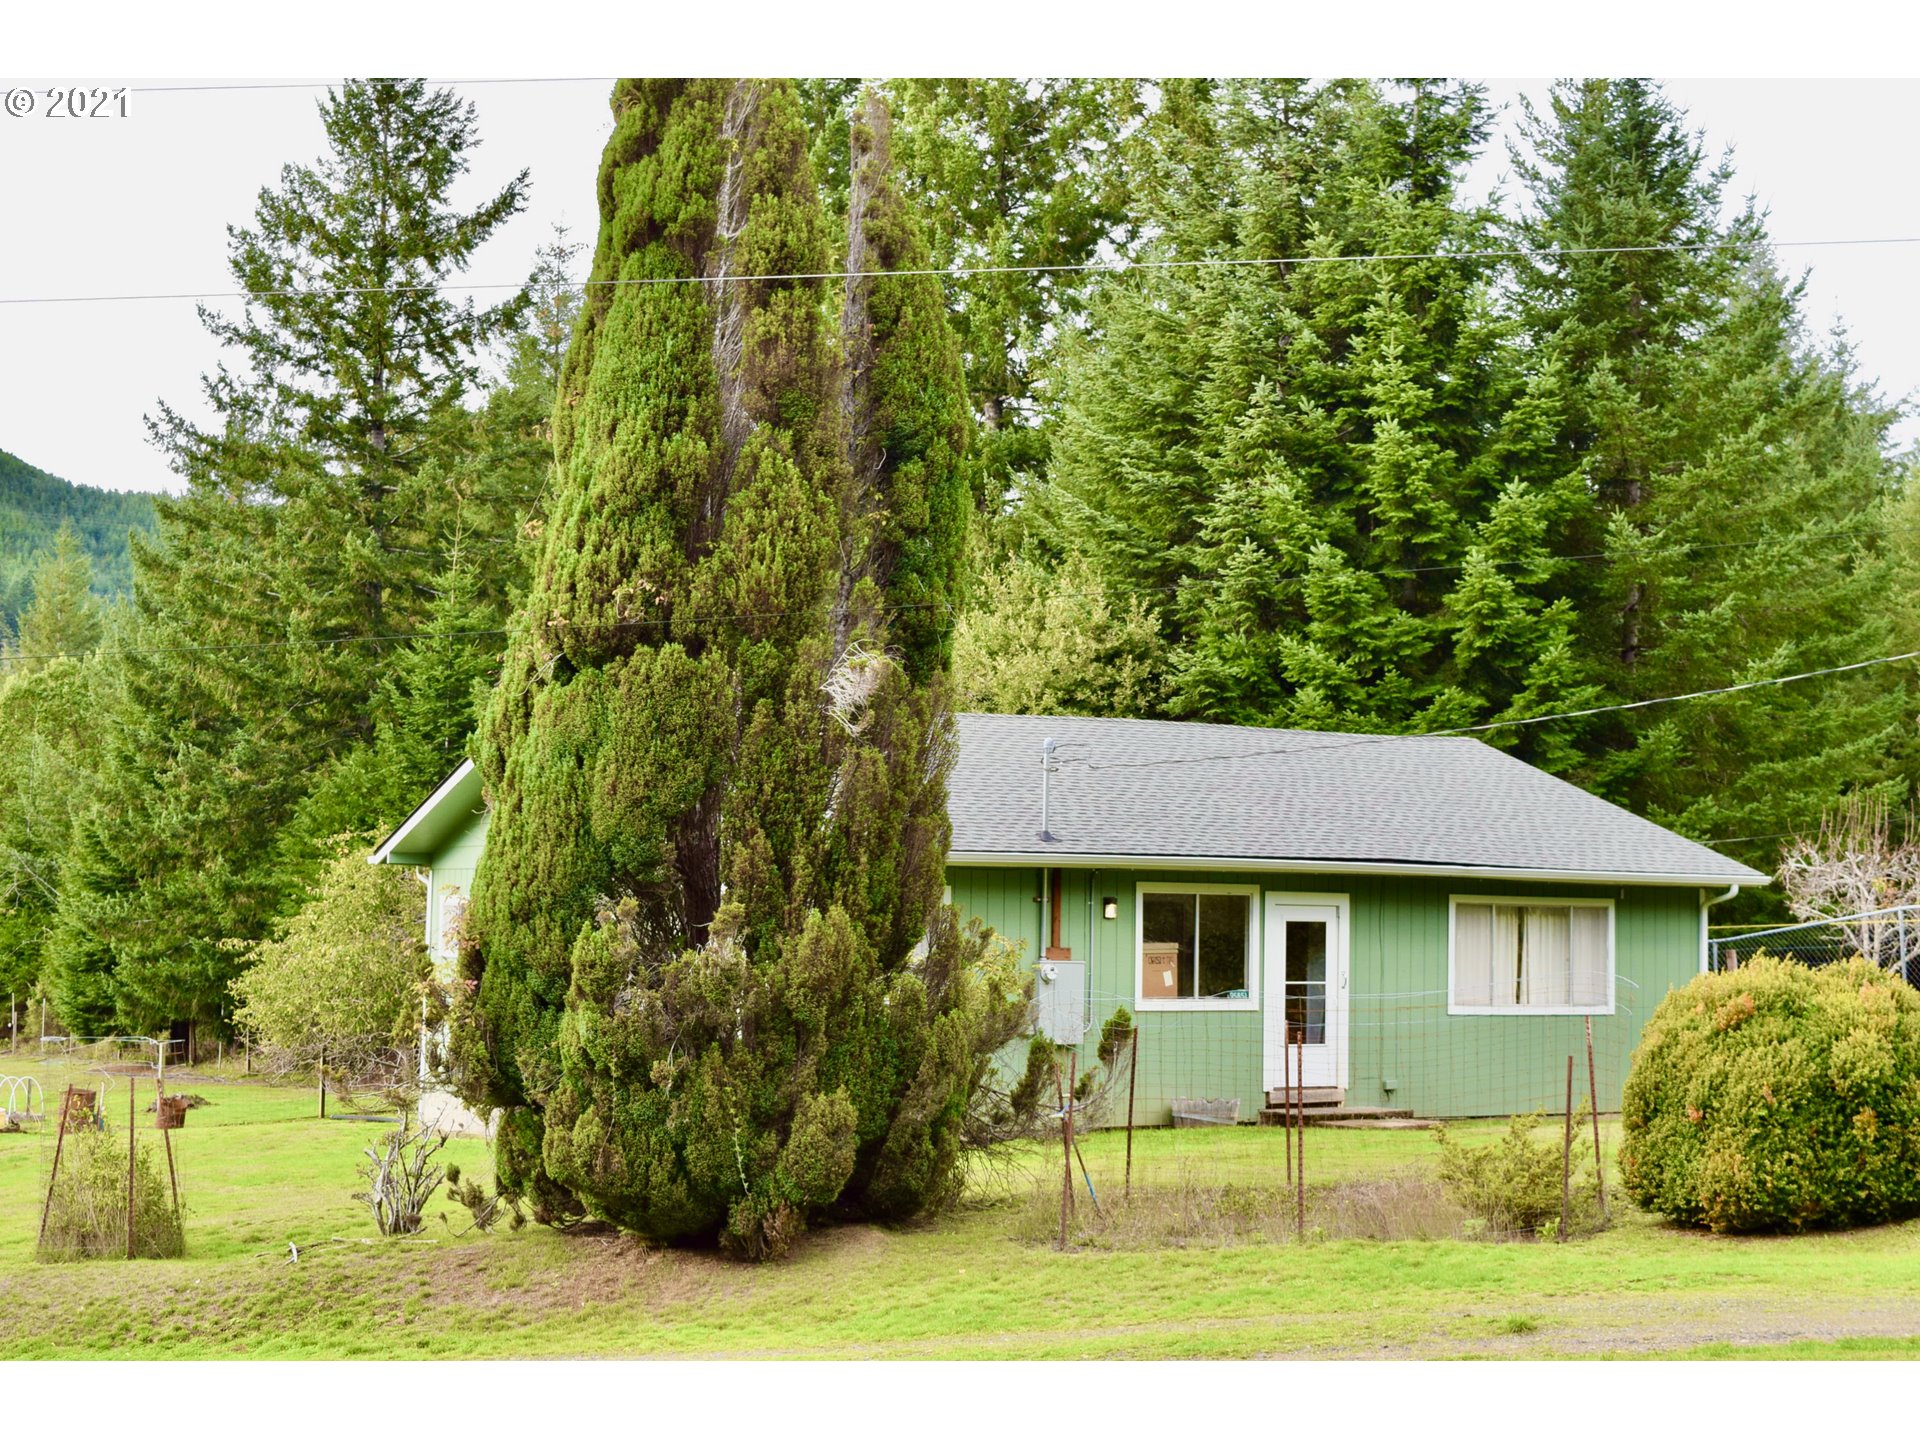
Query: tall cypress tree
(716, 756)
(1008, 173)
(315, 504)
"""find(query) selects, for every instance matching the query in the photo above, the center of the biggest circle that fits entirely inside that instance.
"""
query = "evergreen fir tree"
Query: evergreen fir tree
(63, 618)
(307, 536)
(1055, 640)
(52, 715)
(1734, 476)
(716, 755)
(1333, 482)
(428, 703)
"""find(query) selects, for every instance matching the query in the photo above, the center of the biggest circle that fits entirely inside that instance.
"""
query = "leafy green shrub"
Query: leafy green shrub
(1513, 1184)
(1775, 1097)
(348, 972)
(87, 1219)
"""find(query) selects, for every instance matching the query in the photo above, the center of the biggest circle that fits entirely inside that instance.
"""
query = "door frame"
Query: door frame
(1273, 986)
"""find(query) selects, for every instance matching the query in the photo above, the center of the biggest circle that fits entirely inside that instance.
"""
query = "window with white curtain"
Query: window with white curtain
(1547, 956)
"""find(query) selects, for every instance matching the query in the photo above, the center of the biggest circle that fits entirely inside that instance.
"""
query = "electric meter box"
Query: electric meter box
(1060, 997)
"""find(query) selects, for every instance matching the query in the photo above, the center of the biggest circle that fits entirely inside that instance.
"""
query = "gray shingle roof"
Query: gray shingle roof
(1295, 795)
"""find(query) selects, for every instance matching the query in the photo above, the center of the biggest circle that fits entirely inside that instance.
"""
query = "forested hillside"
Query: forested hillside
(33, 506)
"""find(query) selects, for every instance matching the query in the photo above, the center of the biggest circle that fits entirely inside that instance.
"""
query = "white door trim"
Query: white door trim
(1332, 1057)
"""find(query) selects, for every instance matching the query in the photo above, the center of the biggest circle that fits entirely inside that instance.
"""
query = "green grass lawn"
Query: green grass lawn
(257, 1171)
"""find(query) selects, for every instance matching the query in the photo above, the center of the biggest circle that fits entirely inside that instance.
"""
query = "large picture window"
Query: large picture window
(1552, 957)
(1196, 946)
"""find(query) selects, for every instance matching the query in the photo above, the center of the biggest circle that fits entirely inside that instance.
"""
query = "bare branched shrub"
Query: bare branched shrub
(1862, 860)
(401, 1176)
(87, 1219)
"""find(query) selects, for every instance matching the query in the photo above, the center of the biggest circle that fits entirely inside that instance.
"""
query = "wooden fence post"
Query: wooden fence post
(1566, 1160)
(1593, 1098)
(1300, 1171)
(133, 1135)
(1286, 1091)
(166, 1135)
(1133, 1074)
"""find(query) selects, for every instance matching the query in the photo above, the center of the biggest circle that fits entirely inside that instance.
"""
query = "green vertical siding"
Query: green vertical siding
(1399, 1032)
(449, 883)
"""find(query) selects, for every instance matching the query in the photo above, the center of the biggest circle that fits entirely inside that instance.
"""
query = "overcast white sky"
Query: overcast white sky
(140, 205)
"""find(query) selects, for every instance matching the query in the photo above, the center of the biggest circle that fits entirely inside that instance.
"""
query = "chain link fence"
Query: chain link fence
(1890, 938)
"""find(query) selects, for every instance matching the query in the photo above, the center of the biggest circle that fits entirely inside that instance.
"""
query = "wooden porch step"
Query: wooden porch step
(1312, 1097)
(1354, 1116)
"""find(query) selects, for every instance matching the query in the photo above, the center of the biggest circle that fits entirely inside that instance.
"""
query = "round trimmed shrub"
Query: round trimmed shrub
(1776, 1097)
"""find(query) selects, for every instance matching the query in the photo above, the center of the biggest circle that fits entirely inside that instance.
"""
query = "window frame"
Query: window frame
(1250, 893)
(1454, 902)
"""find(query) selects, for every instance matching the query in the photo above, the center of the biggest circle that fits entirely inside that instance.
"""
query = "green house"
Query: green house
(1390, 923)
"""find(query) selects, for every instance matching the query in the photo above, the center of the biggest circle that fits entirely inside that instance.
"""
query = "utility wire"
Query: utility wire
(1114, 266)
(694, 622)
(1492, 725)
(1343, 744)
(329, 84)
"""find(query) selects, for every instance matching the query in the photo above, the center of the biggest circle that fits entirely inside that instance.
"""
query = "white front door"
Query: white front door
(1305, 986)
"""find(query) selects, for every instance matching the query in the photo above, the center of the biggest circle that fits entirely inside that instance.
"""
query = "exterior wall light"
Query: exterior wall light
(1110, 908)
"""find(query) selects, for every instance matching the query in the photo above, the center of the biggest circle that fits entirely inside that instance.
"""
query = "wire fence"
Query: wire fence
(1312, 1117)
(1890, 938)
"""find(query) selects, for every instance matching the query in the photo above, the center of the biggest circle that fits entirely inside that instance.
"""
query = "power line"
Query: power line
(1170, 760)
(696, 621)
(1113, 266)
(1492, 725)
(329, 84)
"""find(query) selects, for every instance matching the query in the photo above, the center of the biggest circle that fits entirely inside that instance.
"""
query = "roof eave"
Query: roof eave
(1738, 874)
(390, 851)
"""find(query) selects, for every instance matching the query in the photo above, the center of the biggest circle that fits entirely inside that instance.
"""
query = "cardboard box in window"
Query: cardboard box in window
(1159, 970)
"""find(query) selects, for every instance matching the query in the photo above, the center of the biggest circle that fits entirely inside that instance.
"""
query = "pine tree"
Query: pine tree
(1332, 481)
(428, 703)
(716, 755)
(1734, 476)
(63, 618)
(306, 538)
(1055, 640)
(52, 716)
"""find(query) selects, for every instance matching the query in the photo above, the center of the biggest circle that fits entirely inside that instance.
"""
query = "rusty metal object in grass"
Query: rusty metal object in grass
(59, 1143)
(169, 1114)
(1286, 1100)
